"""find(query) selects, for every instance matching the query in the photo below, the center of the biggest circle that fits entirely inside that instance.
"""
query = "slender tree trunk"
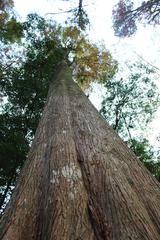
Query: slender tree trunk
(4, 195)
(8, 188)
(80, 181)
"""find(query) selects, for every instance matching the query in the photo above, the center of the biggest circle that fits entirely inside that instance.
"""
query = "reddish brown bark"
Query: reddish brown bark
(80, 181)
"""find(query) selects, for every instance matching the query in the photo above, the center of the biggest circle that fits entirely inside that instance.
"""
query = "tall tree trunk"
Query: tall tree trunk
(80, 182)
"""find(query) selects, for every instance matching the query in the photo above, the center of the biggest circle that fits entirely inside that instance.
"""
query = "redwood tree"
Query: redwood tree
(80, 180)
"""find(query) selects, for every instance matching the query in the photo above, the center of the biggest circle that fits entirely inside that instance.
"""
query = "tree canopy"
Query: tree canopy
(129, 106)
(10, 28)
(126, 16)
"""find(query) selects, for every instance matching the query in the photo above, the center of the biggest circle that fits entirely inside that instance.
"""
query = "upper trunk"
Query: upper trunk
(80, 180)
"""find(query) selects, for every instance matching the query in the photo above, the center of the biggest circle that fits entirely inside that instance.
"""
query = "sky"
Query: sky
(145, 43)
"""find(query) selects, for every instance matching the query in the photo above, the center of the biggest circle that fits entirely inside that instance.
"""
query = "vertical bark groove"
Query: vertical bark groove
(80, 180)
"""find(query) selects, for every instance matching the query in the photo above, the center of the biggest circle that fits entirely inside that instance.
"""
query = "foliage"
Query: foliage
(129, 106)
(13, 148)
(13, 145)
(80, 16)
(10, 28)
(145, 153)
(125, 16)
(90, 62)
(130, 103)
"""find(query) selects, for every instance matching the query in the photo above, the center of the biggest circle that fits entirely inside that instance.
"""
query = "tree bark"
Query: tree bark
(80, 182)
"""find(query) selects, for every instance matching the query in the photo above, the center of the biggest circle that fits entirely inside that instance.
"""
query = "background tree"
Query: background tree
(125, 16)
(146, 153)
(10, 28)
(78, 15)
(10, 132)
(129, 106)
